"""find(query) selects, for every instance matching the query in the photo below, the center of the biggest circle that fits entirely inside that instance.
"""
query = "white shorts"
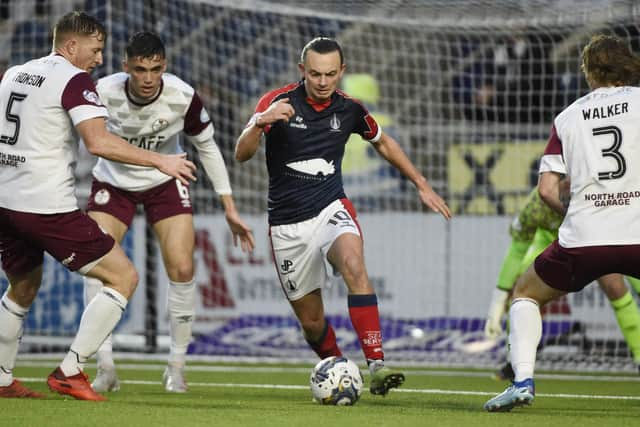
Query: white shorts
(300, 249)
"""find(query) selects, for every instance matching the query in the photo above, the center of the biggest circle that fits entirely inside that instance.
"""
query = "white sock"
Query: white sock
(105, 353)
(181, 299)
(98, 320)
(11, 318)
(525, 322)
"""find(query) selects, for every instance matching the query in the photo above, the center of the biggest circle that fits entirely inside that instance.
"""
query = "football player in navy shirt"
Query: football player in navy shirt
(313, 225)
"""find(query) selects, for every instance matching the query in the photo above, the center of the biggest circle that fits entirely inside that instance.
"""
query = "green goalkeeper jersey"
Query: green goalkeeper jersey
(535, 214)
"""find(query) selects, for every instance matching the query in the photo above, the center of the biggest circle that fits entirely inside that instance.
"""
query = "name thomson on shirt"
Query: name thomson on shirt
(29, 79)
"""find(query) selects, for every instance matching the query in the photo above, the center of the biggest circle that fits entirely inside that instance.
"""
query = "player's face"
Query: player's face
(322, 73)
(87, 52)
(145, 75)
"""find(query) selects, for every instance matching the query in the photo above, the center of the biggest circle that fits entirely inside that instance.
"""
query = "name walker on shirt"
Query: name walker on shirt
(606, 111)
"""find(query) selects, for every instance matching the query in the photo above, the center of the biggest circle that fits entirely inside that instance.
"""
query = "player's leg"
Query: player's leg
(113, 210)
(625, 309)
(177, 243)
(317, 331)
(14, 307)
(525, 320)
(100, 316)
(345, 252)
(509, 272)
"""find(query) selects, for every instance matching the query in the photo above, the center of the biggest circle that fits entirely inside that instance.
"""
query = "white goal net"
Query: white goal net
(469, 89)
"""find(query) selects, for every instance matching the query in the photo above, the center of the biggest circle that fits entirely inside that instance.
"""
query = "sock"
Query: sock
(98, 320)
(181, 300)
(526, 331)
(327, 345)
(511, 264)
(105, 353)
(628, 318)
(11, 318)
(363, 310)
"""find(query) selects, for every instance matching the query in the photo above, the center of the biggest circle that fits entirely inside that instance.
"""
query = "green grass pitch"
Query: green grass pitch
(278, 395)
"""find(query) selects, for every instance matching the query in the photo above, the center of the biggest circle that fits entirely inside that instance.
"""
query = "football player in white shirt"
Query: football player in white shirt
(41, 102)
(152, 109)
(593, 142)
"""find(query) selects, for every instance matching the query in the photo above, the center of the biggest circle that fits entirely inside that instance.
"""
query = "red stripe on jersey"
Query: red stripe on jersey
(268, 98)
(554, 145)
(193, 124)
(80, 90)
(369, 120)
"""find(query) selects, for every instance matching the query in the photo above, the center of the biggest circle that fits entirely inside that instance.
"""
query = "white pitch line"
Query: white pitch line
(401, 390)
(282, 369)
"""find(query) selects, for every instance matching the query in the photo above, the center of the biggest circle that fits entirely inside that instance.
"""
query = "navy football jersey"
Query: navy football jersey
(304, 155)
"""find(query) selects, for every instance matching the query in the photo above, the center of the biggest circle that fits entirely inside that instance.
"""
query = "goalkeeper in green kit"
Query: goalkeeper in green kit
(532, 230)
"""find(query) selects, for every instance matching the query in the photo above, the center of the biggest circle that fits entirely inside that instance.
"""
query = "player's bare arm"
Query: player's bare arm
(393, 153)
(238, 228)
(549, 189)
(100, 142)
(249, 140)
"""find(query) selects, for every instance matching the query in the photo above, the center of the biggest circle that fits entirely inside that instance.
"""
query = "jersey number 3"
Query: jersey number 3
(13, 118)
(612, 151)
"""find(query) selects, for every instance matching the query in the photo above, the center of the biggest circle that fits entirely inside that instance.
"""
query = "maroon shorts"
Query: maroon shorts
(72, 238)
(166, 200)
(571, 269)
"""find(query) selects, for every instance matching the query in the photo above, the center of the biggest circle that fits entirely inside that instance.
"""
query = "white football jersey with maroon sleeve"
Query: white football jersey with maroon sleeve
(596, 142)
(40, 103)
(155, 126)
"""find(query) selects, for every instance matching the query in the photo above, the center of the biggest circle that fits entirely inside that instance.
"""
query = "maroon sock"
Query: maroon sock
(363, 310)
(327, 345)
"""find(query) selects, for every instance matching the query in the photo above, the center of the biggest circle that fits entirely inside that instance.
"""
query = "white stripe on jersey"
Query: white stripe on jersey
(600, 139)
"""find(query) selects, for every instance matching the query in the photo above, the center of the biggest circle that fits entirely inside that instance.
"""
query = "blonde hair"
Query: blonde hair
(609, 61)
(77, 23)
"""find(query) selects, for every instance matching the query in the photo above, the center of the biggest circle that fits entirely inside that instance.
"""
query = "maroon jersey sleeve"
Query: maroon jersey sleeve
(196, 118)
(80, 90)
(554, 145)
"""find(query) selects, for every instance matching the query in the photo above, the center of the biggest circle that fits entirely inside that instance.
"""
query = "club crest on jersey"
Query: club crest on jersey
(298, 122)
(92, 97)
(334, 123)
(159, 125)
(313, 167)
(102, 197)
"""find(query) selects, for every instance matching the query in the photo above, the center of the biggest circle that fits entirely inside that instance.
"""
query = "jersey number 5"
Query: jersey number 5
(13, 118)
(612, 151)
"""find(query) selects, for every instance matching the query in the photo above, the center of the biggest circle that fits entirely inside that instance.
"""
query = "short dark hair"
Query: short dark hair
(322, 45)
(79, 23)
(145, 44)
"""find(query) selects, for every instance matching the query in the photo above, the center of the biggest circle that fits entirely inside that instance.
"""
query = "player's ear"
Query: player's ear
(301, 67)
(125, 65)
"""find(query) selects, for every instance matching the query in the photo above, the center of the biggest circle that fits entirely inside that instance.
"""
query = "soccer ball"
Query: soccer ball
(336, 381)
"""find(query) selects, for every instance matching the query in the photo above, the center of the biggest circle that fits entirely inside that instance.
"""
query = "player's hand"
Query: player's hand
(241, 231)
(279, 110)
(177, 166)
(497, 309)
(436, 203)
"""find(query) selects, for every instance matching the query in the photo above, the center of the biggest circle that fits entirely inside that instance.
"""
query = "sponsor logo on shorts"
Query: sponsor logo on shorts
(287, 266)
(69, 259)
(102, 197)
(291, 285)
(92, 97)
